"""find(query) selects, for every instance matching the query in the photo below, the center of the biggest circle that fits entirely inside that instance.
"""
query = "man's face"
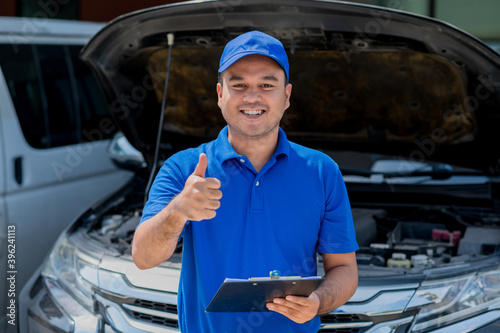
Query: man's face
(253, 97)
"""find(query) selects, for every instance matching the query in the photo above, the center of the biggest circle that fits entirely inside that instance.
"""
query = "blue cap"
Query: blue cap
(253, 42)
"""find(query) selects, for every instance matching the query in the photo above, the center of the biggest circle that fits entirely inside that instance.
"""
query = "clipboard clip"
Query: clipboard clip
(274, 274)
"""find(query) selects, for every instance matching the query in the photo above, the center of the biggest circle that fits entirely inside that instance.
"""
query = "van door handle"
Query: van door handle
(18, 169)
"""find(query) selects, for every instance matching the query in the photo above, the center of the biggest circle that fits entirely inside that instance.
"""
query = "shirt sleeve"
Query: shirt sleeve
(337, 234)
(168, 183)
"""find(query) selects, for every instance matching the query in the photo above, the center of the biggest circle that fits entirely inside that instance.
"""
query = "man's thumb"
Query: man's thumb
(201, 167)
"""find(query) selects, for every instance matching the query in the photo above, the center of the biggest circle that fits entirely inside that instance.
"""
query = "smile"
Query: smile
(253, 112)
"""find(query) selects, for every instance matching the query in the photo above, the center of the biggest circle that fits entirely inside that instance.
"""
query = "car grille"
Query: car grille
(344, 323)
(126, 314)
(154, 319)
(154, 315)
(141, 306)
(376, 307)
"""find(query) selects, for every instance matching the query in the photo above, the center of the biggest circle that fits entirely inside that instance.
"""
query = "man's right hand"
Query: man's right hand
(201, 196)
(155, 240)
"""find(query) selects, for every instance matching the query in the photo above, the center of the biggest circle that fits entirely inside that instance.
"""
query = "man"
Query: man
(282, 202)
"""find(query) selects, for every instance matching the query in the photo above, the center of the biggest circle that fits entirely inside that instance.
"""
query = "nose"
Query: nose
(252, 95)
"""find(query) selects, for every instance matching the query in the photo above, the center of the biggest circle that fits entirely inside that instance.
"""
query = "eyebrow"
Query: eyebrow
(266, 78)
(235, 78)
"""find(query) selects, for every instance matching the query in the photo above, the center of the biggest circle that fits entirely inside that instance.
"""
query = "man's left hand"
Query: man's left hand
(296, 308)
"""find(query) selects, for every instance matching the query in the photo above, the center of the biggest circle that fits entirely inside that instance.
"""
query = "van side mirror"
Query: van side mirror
(124, 155)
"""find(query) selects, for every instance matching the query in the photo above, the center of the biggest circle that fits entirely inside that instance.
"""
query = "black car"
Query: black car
(408, 106)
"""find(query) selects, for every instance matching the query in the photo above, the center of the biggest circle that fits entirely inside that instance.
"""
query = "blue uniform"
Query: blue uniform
(276, 219)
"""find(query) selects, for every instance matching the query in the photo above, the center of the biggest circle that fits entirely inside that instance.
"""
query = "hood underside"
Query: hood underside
(364, 78)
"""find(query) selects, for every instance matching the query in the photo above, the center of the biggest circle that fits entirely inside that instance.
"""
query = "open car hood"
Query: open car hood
(364, 78)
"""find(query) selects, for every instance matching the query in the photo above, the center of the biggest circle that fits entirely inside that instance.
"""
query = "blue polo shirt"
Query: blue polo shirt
(278, 218)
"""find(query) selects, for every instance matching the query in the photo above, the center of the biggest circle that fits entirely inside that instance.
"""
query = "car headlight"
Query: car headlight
(74, 270)
(452, 300)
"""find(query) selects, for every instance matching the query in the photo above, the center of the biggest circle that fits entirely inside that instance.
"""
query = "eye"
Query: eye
(267, 85)
(238, 85)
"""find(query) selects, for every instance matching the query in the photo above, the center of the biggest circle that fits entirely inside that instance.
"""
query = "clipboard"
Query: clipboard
(251, 295)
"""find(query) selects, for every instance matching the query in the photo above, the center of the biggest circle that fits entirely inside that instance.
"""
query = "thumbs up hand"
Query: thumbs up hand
(201, 196)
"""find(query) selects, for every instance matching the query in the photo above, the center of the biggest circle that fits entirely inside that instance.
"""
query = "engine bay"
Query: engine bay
(398, 237)
(424, 238)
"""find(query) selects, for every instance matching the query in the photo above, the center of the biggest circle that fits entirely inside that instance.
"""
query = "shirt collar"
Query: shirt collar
(283, 144)
(224, 151)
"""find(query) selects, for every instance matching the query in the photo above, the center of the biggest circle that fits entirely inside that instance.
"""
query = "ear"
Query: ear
(219, 90)
(219, 94)
(288, 93)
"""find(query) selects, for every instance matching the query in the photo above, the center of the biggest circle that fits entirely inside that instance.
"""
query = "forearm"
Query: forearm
(339, 286)
(155, 239)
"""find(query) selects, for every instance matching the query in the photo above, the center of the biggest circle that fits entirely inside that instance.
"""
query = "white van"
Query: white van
(55, 129)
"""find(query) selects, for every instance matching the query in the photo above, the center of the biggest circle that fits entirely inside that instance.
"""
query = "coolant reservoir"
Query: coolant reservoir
(398, 260)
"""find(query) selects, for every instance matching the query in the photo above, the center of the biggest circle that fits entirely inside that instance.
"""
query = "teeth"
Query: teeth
(252, 112)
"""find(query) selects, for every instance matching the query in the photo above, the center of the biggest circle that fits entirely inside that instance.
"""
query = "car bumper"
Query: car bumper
(46, 307)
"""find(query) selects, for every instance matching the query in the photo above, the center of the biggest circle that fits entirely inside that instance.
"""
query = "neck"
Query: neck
(257, 150)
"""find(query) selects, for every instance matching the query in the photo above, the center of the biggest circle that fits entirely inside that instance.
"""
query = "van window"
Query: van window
(55, 95)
